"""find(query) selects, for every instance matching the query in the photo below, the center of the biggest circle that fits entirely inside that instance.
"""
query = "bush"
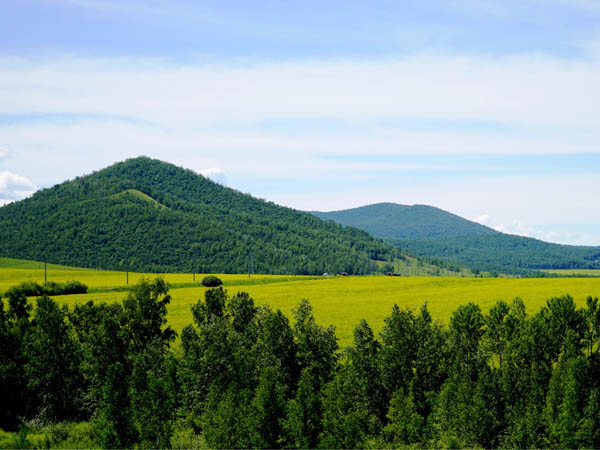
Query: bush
(211, 281)
(33, 289)
(74, 287)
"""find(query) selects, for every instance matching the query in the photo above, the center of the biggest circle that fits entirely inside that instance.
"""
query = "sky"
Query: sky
(488, 109)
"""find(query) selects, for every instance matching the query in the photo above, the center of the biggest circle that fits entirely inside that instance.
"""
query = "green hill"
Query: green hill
(148, 215)
(393, 221)
(435, 234)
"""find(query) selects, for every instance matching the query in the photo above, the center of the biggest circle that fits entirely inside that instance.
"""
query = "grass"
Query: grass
(575, 272)
(341, 301)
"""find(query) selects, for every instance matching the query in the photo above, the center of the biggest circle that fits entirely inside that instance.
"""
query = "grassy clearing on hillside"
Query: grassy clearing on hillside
(341, 301)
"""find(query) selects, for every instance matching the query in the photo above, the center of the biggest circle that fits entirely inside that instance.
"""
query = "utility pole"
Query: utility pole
(45, 273)
(127, 275)
(250, 263)
(194, 271)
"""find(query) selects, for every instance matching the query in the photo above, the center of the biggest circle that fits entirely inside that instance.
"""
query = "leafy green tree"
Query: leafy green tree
(268, 410)
(405, 425)
(466, 329)
(566, 400)
(363, 359)
(276, 347)
(592, 321)
(146, 314)
(316, 345)
(114, 424)
(100, 334)
(588, 432)
(227, 421)
(303, 423)
(346, 417)
(52, 367)
(14, 324)
(398, 349)
(152, 394)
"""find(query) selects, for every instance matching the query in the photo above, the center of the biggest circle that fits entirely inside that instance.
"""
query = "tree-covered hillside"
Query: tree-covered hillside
(501, 251)
(148, 215)
(436, 234)
(393, 221)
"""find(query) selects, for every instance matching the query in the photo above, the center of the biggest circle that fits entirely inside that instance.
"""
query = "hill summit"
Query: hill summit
(147, 215)
(394, 221)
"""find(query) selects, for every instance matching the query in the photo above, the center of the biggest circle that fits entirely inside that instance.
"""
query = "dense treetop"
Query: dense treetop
(147, 215)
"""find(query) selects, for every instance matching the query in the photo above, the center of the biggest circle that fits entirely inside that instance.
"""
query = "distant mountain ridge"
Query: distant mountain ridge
(394, 221)
(433, 233)
(148, 215)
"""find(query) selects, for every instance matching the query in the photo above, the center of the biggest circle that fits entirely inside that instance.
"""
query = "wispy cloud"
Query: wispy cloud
(215, 174)
(14, 187)
(528, 90)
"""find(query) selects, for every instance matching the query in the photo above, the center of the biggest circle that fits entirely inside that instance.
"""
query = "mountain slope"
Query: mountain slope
(437, 234)
(393, 221)
(144, 214)
(503, 252)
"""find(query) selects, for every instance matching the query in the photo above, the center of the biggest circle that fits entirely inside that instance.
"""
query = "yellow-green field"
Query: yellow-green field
(585, 272)
(341, 301)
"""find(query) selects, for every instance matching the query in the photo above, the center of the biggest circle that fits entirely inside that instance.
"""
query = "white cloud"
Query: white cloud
(483, 219)
(215, 174)
(14, 187)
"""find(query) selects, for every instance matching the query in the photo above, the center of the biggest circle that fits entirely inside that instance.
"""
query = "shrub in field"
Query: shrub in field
(33, 289)
(211, 281)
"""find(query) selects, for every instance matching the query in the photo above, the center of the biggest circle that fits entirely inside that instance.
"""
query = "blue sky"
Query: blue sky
(488, 109)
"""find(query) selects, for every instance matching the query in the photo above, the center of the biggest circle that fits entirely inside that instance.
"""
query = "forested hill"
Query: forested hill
(503, 252)
(393, 221)
(433, 233)
(147, 215)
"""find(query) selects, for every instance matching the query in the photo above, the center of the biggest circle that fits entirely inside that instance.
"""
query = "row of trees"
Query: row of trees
(244, 376)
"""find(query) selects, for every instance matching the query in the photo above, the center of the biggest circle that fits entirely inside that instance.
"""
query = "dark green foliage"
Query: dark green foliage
(14, 324)
(33, 289)
(316, 345)
(52, 367)
(114, 423)
(211, 281)
(147, 215)
(405, 423)
(302, 425)
(268, 410)
(345, 412)
(145, 309)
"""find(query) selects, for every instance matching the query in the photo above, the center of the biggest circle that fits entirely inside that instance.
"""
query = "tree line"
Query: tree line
(246, 376)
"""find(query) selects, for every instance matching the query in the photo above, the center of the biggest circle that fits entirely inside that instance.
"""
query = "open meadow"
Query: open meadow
(340, 301)
(576, 272)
